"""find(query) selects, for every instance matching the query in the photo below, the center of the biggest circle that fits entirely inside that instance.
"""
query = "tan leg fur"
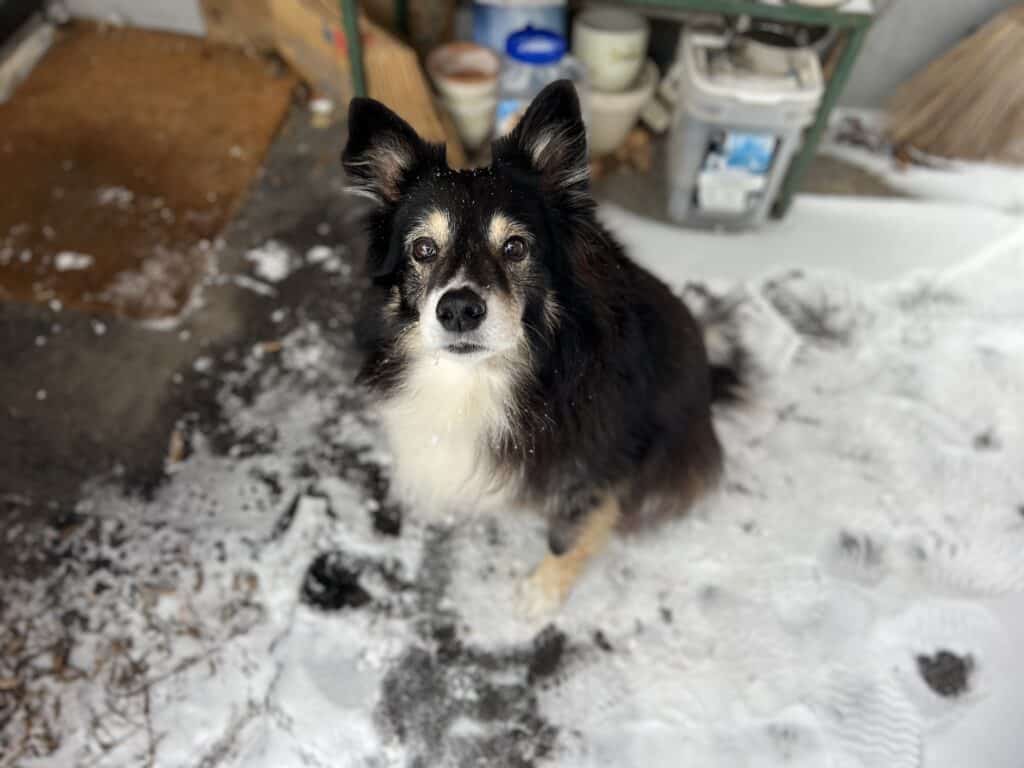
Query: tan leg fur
(552, 581)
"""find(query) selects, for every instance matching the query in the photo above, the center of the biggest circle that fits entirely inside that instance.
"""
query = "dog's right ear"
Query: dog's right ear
(551, 139)
(382, 151)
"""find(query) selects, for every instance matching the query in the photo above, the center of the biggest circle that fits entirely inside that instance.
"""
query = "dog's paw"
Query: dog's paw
(543, 593)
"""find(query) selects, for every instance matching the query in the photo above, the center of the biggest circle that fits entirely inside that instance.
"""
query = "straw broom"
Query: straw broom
(969, 103)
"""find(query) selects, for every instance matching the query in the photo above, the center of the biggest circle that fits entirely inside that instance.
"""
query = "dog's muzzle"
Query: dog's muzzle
(461, 310)
(469, 323)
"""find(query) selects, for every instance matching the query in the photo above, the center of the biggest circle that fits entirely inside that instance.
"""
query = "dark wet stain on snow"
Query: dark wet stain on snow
(428, 700)
(356, 465)
(986, 441)
(287, 517)
(946, 673)
(862, 548)
(817, 317)
(270, 480)
(453, 703)
(548, 650)
(332, 583)
(387, 520)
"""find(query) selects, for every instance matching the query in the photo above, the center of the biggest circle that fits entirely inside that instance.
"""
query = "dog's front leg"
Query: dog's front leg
(573, 541)
(567, 519)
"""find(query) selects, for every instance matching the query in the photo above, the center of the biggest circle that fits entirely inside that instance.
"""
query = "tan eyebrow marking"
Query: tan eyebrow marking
(435, 224)
(501, 228)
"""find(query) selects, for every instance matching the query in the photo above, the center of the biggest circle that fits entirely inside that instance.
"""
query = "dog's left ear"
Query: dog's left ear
(552, 139)
(382, 151)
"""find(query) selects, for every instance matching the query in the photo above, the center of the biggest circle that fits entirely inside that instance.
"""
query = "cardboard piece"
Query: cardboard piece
(243, 23)
(311, 37)
(314, 45)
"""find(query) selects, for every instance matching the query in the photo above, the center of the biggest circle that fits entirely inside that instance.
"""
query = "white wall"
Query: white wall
(908, 34)
(172, 15)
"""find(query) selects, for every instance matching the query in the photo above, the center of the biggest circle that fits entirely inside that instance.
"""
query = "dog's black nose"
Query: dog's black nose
(461, 310)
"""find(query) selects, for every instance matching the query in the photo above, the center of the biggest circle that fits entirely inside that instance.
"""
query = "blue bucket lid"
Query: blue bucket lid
(535, 46)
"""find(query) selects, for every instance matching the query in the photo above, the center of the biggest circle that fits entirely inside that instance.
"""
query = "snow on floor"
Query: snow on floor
(837, 603)
(873, 239)
(993, 186)
(271, 261)
(999, 187)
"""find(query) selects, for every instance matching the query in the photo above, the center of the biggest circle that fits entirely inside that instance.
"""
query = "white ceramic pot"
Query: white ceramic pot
(612, 44)
(473, 118)
(464, 71)
(613, 115)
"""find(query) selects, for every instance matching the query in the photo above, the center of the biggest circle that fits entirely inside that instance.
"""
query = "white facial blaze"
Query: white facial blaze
(452, 408)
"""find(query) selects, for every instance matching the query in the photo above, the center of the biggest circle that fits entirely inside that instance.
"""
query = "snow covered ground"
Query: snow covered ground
(990, 186)
(871, 239)
(851, 597)
(979, 184)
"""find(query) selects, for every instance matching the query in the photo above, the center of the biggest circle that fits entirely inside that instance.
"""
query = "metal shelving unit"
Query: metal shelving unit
(853, 19)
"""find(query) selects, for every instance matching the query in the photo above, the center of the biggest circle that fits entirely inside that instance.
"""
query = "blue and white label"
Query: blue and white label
(751, 152)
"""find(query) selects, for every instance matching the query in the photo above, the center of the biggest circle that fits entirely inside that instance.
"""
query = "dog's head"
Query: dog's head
(469, 258)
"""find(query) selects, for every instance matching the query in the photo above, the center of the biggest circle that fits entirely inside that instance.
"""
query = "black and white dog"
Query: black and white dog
(518, 356)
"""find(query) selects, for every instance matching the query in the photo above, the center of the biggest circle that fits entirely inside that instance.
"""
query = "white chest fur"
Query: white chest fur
(440, 426)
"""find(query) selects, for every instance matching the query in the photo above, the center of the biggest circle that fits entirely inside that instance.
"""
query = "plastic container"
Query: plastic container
(474, 120)
(464, 70)
(495, 20)
(466, 76)
(533, 59)
(614, 114)
(611, 43)
(739, 121)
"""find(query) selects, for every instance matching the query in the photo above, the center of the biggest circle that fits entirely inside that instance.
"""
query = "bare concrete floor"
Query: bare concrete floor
(645, 193)
(97, 397)
(91, 398)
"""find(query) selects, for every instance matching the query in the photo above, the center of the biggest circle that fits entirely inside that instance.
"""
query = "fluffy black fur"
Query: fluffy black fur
(615, 393)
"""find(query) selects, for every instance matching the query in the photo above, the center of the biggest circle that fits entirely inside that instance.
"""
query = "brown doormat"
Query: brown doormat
(123, 152)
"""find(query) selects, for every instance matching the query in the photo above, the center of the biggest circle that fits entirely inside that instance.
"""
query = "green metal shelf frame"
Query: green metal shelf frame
(854, 28)
(778, 11)
(350, 20)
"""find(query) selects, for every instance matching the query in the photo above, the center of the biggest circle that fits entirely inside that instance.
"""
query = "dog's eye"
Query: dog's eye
(424, 250)
(515, 249)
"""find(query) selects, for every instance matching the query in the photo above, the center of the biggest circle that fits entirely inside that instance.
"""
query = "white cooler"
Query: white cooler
(739, 119)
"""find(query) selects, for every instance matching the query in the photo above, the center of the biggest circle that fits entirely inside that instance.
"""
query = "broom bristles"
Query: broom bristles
(969, 103)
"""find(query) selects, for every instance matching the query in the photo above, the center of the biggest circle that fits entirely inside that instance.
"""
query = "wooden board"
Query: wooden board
(243, 23)
(311, 38)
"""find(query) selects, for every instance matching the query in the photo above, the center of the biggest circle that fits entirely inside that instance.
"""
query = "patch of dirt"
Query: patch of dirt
(332, 583)
(129, 150)
(832, 176)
